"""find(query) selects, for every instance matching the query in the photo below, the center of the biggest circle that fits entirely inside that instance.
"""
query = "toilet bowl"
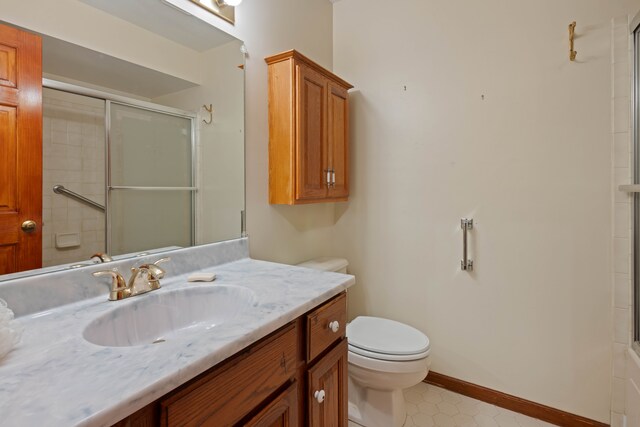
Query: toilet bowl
(385, 357)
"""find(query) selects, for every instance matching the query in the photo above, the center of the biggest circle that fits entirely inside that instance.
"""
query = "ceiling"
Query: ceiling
(75, 62)
(165, 20)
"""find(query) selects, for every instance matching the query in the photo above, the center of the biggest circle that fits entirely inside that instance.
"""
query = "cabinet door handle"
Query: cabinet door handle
(328, 172)
(319, 395)
(334, 326)
(333, 178)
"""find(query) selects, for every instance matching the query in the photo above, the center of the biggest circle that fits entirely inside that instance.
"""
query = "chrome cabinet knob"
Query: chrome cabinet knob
(319, 395)
(334, 326)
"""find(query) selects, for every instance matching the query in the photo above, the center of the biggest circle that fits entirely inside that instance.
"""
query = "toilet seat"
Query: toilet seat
(387, 366)
(387, 357)
(385, 339)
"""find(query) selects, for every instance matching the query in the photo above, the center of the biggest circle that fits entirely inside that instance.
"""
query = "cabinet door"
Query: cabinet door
(338, 140)
(311, 135)
(281, 412)
(328, 389)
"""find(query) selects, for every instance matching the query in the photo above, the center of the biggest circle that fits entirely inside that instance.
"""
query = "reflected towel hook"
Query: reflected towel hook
(210, 111)
(572, 31)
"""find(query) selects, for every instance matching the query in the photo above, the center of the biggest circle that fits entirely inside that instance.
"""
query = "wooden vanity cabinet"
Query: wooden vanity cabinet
(308, 132)
(295, 377)
(282, 411)
(225, 396)
(329, 377)
(326, 366)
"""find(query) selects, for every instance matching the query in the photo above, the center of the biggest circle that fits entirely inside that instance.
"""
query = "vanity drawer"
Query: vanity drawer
(229, 392)
(320, 334)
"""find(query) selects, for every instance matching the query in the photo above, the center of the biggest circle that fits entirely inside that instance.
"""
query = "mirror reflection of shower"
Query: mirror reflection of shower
(150, 179)
(73, 146)
(143, 174)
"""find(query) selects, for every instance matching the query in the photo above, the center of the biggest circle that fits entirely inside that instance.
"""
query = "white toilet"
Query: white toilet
(385, 357)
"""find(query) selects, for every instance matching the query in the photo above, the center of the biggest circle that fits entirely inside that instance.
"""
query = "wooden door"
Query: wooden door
(311, 136)
(20, 149)
(282, 411)
(329, 376)
(338, 140)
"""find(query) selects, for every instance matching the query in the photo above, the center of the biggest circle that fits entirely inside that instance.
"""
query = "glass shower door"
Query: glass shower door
(150, 180)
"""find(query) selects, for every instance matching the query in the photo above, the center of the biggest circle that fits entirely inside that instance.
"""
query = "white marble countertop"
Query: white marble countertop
(57, 378)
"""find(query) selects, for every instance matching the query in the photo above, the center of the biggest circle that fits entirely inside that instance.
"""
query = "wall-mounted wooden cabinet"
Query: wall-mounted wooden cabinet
(308, 132)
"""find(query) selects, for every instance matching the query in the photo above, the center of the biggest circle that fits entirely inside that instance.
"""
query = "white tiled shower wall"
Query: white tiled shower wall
(73, 156)
(626, 365)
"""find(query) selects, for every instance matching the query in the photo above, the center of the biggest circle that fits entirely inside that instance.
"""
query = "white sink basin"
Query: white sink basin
(157, 317)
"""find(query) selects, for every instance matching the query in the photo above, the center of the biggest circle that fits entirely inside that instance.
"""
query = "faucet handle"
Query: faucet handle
(99, 257)
(161, 260)
(155, 270)
(119, 289)
(147, 275)
(139, 280)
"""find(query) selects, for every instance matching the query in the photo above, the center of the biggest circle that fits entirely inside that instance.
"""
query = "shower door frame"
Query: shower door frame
(110, 98)
(109, 187)
(635, 132)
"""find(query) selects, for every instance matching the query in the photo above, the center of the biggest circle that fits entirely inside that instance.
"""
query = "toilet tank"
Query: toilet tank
(338, 265)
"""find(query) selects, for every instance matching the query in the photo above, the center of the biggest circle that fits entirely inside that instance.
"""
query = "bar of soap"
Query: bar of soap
(202, 277)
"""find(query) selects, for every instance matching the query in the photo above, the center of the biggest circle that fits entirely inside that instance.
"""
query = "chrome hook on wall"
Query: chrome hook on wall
(572, 32)
(210, 111)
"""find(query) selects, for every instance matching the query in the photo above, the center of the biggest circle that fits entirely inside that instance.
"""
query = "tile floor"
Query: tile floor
(430, 406)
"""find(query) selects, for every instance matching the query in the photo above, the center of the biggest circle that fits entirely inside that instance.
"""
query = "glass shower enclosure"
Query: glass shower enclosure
(151, 189)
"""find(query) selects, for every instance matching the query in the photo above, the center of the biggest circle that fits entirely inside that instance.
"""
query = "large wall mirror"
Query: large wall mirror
(136, 160)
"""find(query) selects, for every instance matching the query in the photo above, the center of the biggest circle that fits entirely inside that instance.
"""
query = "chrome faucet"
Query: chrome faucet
(144, 278)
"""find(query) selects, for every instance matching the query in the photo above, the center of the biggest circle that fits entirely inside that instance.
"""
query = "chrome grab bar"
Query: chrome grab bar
(630, 188)
(128, 187)
(59, 189)
(466, 264)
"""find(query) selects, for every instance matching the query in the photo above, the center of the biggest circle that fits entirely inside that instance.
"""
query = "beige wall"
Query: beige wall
(472, 109)
(280, 233)
(220, 180)
(287, 234)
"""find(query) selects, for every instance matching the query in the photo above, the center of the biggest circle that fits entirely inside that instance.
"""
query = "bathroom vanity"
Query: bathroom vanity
(279, 358)
(295, 376)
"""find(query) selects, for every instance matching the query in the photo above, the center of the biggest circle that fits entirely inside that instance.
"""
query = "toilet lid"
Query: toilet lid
(384, 337)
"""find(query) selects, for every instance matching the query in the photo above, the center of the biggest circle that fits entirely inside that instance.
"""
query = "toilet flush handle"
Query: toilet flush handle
(334, 326)
(319, 395)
